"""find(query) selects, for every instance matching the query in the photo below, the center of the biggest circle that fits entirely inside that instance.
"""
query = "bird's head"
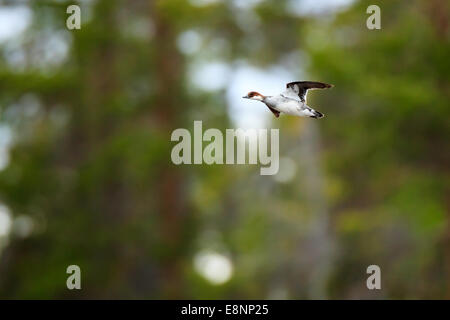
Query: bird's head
(253, 95)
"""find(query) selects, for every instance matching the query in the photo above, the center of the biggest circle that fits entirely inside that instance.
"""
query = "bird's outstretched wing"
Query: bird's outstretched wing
(299, 88)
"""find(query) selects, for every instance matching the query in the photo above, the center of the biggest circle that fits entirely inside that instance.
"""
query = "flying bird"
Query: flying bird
(292, 101)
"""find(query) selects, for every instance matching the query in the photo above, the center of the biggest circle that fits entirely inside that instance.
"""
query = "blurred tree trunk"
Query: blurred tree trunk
(438, 11)
(171, 203)
(438, 14)
(320, 239)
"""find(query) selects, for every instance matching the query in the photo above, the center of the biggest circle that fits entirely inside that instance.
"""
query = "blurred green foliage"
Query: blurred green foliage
(90, 158)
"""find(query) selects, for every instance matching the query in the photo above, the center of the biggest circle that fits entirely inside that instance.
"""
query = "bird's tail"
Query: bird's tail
(317, 114)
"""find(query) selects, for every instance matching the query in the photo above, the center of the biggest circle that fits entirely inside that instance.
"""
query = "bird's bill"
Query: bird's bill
(246, 97)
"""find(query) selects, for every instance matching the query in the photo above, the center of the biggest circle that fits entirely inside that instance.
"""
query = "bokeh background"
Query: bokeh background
(86, 176)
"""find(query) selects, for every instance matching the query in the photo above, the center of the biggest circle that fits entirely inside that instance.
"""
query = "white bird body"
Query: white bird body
(289, 106)
(292, 101)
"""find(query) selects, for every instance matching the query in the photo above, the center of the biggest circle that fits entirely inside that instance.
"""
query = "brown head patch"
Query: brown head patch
(254, 93)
